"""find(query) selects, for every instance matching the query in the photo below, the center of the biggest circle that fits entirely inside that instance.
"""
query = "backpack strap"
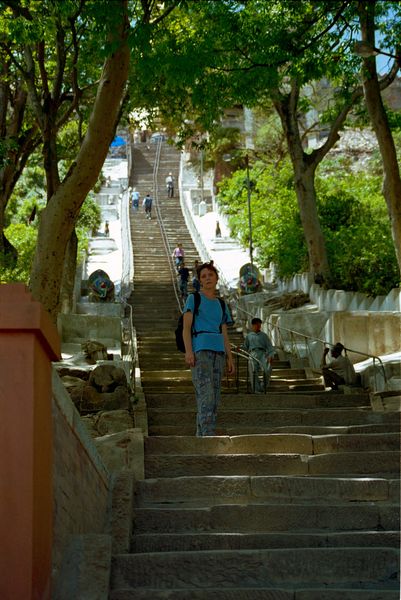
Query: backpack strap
(197, 301)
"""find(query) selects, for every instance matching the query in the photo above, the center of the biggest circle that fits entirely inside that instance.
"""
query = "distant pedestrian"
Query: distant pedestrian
(147, 204)
(258, 344)
(218, 230)
(135, 199)
(195, 281)
(170, 185)
(183, 274)
(106, 229)
(178, 255)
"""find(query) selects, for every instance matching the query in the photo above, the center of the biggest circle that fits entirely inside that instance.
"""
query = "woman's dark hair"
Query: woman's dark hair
(209, 266)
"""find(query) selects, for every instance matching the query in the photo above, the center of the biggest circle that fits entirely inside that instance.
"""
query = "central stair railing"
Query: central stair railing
(163, 232)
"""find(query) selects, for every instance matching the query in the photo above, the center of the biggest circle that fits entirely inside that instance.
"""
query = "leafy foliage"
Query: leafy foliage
(353, 215)
(358, 234)
(22, 217)
(23, 238)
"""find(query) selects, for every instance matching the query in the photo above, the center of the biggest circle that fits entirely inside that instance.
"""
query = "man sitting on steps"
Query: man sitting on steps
(340, 370)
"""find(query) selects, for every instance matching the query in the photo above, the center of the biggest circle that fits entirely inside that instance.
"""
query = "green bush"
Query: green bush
(353, 217)
(23, 238)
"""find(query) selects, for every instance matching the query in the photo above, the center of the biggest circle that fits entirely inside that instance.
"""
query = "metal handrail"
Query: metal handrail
(276, 333)
(164, 235)
(242, 353)
(133, 354)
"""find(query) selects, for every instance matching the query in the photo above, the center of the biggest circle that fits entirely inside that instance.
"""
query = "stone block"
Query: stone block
(86, 569)
(123, 451)
(123, 488)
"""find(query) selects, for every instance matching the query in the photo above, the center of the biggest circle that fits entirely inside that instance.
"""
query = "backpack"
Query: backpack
(179, 340)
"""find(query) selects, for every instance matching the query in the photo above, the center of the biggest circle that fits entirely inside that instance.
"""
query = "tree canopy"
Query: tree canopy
(71, 70)
(214, 55)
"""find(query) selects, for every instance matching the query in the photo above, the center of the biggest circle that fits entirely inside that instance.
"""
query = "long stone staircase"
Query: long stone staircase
(296, 498)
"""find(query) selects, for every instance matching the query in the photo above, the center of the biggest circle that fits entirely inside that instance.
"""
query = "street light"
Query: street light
(248, 189)
(201, 175)
(227, 158)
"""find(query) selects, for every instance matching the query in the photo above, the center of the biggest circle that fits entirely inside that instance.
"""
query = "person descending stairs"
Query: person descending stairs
(295, 498)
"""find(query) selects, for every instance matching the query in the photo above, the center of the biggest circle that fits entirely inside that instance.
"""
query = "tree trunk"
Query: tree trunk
(306, 195)
(69, 271)
(304, 172)
(380, 124)
(58, 218)
(305, 165)
(12, 127)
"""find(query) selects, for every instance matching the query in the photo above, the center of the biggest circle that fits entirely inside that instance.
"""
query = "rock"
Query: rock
(106, 378)
(115, 400)
(76, 372)
(122, 451)
(94, 351)
(73, 382)
(87, 399)
(113, 421)
(108, 422)
(89, 422)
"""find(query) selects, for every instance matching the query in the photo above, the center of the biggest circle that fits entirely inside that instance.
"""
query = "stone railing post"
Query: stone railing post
(29, 342)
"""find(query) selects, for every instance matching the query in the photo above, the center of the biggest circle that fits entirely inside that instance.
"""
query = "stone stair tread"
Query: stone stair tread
(318, 444)
(270, 400)
(331, 567)
(166, 430)
(259, 593)
(223, 489)
(340, 463)
(189, 542)
(268, 517)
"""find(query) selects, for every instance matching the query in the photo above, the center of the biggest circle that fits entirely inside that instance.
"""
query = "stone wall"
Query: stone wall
(371, 332)
(339, 300)
(80, 480)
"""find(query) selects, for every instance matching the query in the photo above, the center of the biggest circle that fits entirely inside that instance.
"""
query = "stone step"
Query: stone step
(340, 463)
(183, 384)
(288, 375)
(276, 417)
(276, 443)
(178, 400)
(213, 490)
(259, 593)
(190, 542)
(157, 374)
(188, 430)
(326, 567)
(268, 517)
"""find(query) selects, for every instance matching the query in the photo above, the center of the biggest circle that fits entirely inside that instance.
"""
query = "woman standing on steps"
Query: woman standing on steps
(207, 348)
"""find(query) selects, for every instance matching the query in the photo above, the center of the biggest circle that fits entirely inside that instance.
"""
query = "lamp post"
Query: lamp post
(201, 175)
(227, 158)
(248, 189)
